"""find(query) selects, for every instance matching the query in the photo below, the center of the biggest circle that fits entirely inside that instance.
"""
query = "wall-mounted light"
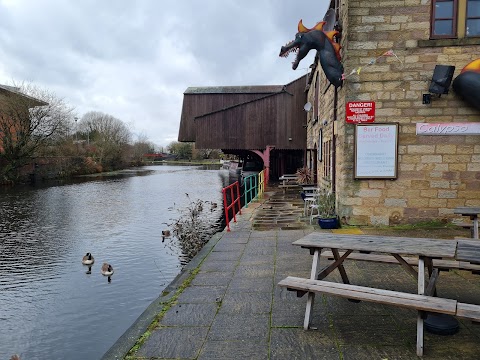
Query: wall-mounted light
(440, 84)
(441, 79)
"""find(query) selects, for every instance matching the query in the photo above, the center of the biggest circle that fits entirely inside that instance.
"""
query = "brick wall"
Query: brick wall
(436, 173)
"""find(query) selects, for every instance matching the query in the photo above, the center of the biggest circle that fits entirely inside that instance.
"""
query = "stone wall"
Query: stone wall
(436, 173)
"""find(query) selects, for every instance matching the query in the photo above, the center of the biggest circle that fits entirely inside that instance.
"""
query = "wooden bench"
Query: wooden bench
(401, 299)
(437, 263)
(466, 225)
(468, 311)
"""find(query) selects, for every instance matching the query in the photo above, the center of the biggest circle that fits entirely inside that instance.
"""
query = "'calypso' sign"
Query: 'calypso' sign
(359, 112)
(470, 128)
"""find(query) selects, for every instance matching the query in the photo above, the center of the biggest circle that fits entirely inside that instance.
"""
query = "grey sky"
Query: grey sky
(134, 59)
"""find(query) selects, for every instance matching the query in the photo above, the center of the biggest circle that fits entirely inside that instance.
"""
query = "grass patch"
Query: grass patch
(433, 224)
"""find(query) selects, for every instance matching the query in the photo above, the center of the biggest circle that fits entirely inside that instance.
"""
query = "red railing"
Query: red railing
(234, 199)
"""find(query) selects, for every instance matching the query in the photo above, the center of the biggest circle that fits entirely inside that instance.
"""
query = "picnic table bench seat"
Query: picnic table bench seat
(438, 263)
(288, 186)
(468, 311)
(389, 297)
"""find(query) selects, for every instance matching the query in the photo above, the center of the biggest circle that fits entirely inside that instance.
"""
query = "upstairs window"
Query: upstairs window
(452, 19)
(473, 18)
(444, 19)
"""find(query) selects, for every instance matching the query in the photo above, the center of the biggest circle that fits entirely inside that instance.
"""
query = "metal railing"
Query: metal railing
(254, 187)
(261, 183)
(231, 196)
(250, 185)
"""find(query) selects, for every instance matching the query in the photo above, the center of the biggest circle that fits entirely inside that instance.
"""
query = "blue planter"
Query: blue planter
(331, 223)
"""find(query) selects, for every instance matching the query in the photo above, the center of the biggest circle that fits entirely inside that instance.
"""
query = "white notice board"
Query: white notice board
(376, 151)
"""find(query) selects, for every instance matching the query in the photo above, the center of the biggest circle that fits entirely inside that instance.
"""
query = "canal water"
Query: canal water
(50, 308)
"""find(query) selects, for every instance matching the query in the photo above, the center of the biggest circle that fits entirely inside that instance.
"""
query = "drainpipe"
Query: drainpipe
(334, 141)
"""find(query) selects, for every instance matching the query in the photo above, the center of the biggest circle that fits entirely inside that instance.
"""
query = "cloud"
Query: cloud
(134, 59)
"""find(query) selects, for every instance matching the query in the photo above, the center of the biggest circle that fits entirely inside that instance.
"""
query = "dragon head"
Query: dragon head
(302, 44)
(328, 50)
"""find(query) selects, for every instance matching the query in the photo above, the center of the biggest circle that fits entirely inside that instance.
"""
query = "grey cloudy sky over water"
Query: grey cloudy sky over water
(134, 59)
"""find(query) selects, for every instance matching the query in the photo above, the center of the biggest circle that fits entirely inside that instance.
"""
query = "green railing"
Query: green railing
(254, 186)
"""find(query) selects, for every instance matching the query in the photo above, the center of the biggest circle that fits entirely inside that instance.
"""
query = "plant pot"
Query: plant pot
(330, 223)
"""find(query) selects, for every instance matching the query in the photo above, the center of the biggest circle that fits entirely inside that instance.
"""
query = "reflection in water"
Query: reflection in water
(52, 307)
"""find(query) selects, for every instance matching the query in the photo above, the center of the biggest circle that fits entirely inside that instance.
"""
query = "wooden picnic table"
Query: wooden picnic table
(468, 250)
(424, 249)
(288, 181)
(473, 213)
(286, 178)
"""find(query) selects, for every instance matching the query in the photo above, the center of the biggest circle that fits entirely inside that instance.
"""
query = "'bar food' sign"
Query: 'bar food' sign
(376, 151)
(358, 112)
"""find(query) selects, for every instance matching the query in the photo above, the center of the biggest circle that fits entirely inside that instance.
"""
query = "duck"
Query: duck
(213, 206)
(165, 233)
(107, 270)
(88, 260)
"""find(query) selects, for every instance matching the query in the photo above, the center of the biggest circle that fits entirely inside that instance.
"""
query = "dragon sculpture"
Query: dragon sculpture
(467, 83)
(328, 51)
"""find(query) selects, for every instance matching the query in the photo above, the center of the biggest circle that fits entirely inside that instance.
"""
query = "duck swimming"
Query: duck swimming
(107, 270)
(165, 234)
(88, 260)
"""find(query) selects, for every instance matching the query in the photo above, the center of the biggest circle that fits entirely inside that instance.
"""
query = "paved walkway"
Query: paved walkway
(231, 308)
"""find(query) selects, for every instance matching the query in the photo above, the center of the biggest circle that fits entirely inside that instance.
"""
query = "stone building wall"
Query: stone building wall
(435, 173)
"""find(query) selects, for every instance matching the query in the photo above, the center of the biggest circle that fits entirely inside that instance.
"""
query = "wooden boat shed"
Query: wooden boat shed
(265, 123)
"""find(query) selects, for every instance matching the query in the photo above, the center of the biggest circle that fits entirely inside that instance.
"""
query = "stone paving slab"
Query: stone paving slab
(235, 350)
(174, 343)
(232, 308)
(185, 314)
(238, 327)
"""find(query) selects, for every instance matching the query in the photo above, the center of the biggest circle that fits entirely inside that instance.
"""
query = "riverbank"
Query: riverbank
(227, 305)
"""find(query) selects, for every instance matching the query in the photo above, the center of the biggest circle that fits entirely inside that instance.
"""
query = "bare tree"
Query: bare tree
(109, 135)
(141, 147)
(30, 118)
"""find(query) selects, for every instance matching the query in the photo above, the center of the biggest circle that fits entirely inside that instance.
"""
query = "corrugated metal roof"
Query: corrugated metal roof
(262, 89)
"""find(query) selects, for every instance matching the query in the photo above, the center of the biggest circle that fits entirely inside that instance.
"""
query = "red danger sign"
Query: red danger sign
(359, 112)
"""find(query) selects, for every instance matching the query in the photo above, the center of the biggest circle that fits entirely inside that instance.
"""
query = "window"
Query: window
(453, 19)
(444, 18)
(473, 18)
(327, 160)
